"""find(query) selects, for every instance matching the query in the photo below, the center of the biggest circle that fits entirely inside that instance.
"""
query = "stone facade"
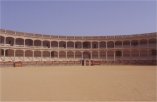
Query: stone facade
(51, 49)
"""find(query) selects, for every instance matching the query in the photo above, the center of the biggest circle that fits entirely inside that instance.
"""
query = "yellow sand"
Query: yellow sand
(78, 83)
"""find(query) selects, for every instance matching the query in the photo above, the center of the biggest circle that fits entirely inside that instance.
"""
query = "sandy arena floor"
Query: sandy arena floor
(78, 83)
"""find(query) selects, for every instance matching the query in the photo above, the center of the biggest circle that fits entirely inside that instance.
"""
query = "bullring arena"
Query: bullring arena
(39, 49)
(77, 68)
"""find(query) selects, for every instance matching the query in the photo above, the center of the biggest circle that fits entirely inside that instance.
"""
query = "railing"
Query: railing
(1, 44)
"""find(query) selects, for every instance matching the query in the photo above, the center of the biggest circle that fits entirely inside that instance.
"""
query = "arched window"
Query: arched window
(118, 53)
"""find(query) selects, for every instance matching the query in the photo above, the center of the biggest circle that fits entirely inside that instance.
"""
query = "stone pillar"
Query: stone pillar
(50, 44)
(66, 49)
(122, 53)
(50, 55)
(66, 54)
(58, 49)
(23, 55)
(91, 54)
(106, 45)
(147, 47)
(58, 54)
(58, 44)
(114, 44)
(98, 50)
(122, 44)
(14, 41)
(114, 56)
(4, 40)
(74, 54)
(24, 42)
(139, 45)
(33, 55)
(98, 54)
(74, 45)
(82, 54)
(147, 43)
(42, 43)
(41, 55)
(82, 45)
(14, 55)
(4, 54)
(33, 43)
(130, 50)
(106, 56)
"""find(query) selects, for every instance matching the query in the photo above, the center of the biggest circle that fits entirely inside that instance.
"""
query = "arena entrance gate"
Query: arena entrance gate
(86, 62)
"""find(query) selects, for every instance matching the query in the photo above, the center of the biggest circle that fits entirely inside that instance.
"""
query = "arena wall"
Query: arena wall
(41, 49)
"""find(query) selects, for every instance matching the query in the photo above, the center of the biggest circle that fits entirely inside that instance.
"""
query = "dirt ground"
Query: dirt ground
(78, 83)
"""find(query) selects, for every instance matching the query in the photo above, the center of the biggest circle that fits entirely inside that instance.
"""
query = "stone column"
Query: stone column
(147, 47)
(98, 54)
(106, 56)
(4, 54)
(106, 45)
(130, 50)
(122, 53)
(50, 55)
(4, 40)
(74, 50)
(114, 56)
(58, 54)
(14, 55)
(42, 43)
(82, 45)
(14, 42)
(33, 43)
(58, 44)
(74, 54)
(23, 55)
(58, 49)
(74, 45)
(24, 42)
(33, 55)
(50, 44)
(91, 54)
(66, 54)
(98, 50)
(66, 50)
(82, 54)
(41, 55)
(122, 44)
(114, 44)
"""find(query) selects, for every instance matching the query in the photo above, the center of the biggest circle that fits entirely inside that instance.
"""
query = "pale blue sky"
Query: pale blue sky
(67, 17)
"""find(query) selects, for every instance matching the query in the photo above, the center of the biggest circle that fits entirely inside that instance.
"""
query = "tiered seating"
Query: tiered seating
(8, 59)
(37, 59)
(46, 59)
(1, 58)
(28, 59)
(19, 59)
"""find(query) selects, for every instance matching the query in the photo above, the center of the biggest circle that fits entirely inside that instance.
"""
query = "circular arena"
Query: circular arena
(38, 49)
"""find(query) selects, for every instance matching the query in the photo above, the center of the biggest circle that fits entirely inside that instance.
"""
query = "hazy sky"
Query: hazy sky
(85, 17)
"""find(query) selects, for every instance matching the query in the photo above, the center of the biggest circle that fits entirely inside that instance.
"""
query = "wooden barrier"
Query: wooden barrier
(17, 64)
(77, 62)
(95, 62)
(81, 62)
(71, 62)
